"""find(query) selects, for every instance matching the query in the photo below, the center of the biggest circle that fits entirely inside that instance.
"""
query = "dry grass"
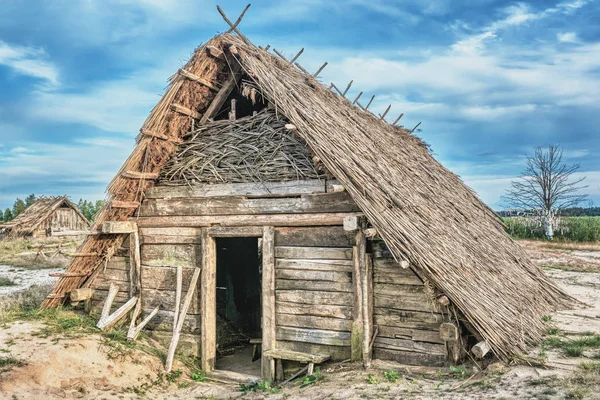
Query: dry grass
(18, 253)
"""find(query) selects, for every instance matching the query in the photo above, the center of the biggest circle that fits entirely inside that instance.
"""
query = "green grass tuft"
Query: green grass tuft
(6, 282)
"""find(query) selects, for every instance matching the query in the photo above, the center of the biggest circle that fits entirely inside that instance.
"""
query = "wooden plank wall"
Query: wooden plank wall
(313, 290)
(406, 317)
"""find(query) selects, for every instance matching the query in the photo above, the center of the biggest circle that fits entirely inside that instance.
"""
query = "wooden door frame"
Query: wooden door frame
(208, 293)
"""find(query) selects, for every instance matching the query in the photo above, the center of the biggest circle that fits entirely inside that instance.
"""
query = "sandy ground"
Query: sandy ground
(25, 277)
(82, 367)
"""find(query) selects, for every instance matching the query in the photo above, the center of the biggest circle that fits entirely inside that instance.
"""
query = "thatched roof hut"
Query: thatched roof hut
(47, 216)
(180, 180)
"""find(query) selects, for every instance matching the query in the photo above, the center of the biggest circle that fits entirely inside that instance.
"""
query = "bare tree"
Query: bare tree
(546, 186)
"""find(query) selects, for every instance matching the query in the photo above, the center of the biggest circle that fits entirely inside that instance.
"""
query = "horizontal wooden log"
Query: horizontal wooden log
(321, 236)
(409, 357)
(196, 78)
(241, 205)
(480, 349)
(332, 276)
(327, 253)
(318, 336)
(395, 276)
(81, 294)
(314, 264)
(337, 353)
(325, 286)
(255, 189)
(178, 108)
(170, 236)
(124, 204)
(314, 297)
(334, 311)
(185, 255)
(419, 335)
(238, 231)
(215, 52)
(312, 322)
(118, 227)
(392, 289)
(299, 356)
(242, 220)
(157, 135)
(409, 345)
(139, 175)
(407, 319)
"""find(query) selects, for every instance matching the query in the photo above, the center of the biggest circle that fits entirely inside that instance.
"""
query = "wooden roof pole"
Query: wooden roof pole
(233, 27)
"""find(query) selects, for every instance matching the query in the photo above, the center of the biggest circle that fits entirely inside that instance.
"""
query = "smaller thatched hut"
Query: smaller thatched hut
(45, 217)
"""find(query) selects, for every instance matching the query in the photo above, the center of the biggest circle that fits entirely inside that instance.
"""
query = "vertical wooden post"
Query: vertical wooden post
(268, 302)
(135, 276)
(367, 286)
(356, 340)
(208, 297)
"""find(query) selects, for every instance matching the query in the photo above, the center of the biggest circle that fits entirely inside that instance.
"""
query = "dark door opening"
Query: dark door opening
(238, 304)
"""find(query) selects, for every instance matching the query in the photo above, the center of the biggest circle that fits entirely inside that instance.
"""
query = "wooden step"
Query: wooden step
(297, 356)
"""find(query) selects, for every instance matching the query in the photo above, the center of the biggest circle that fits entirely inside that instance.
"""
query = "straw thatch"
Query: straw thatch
(251, 149)
(26, 223)
(424, 212)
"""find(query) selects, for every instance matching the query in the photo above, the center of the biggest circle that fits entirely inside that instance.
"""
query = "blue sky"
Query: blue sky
(490, 80)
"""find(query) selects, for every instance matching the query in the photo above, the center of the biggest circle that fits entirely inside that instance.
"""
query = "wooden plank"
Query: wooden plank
(110, 320)
(110, 297)
(312, 275)
(81, 294)
(418, 335)
(321, 236)
(135, 332)
(230, 377)
(118, 262)
(166, 299)
(178, 108)
(325, 286)
(269, 337)
(318, 336)
(395, 277)
(180, 317)
(357, 313)
(242, 220)
(170, 239)
(314, 297)
(402, 302)
(407, 319)
(392, 289)
(367, 302)
(208, 298)
(255, 189)
(328, 253)
(312, 322)
(237, 231)
(409, 357)
(344, 312)
(178, 289)
(297, 356)
(124, 204)
(139, 175)
(241, 205)
(409, 345)
(337, 353)
(176, 231)
(164, 278)
(185, 255)
(196, 78)
(315, 265)
(118, 227)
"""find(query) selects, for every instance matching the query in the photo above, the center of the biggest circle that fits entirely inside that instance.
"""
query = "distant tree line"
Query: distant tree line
(88, 208)
(567, 212)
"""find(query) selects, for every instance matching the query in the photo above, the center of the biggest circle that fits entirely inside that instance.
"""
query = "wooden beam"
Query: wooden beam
(150, 133)
(367, 300)
(397, 119)
(297, 55)
(198, 79)
(233, 27)
(357, 97)
(139, 175)
(208, 294)
(81, 294)
(215, 52)
(232, 112)
(385, 112)
(91, 254)
(415, 128)
(357, 313)
(321, 219)
(186, 111)
(301, 68)
(118, 227)
(369, 103)
(480, 349)
(135, 277)
(132, 335)
(124, 204)
(269, 334)
(347, 88)
(321, 68)
(242, 231)
(68, 275)
(223, 93)
(178, 286)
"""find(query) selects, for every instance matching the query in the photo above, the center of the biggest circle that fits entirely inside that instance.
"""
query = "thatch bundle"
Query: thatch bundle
(251, 149)
(424, 212)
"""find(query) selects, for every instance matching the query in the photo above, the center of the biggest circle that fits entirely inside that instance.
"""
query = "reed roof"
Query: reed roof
(423, 211)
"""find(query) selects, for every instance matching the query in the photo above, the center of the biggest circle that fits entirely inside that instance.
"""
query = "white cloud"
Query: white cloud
(28, 61)
(567, 37)
(20, 149)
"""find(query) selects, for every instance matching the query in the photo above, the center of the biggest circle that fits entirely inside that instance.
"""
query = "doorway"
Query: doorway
(238, 304)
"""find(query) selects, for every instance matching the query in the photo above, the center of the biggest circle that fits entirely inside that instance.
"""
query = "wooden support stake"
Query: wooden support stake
(139, 175)
(321, 68)
(112, 292)
(385, 112)
(415, 128)
(269, 341)
(181, 318)
(293, 60)
(347, 88)
(267, 47)
(279, 54)
(196, 78)
(233, 27)
(135, 277)
(357, 97)
(397, 119)
(133, 334)
(369, 103)
(179, 283)
(336, 89)
(108, 322)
